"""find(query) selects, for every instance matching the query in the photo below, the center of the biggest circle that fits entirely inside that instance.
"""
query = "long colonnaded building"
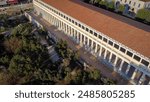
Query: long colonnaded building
(124, 47)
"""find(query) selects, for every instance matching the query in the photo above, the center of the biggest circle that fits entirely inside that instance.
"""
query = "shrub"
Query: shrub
(2, 29)
(111, 5)
(103, 3)
(121, 8)
(143, 14)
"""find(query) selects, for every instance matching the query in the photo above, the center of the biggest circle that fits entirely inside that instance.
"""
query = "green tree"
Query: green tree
(95, 74)
(13, 44)
(75, 56)
(103, 3)
(2, 29)
(121, 8)
(5, 60)
(143, 14)
(4, 19)
(19, 66)
(111, 5)
(43, 32)
(22, 30)
(78, 77)
(108, 81)
(85, 78)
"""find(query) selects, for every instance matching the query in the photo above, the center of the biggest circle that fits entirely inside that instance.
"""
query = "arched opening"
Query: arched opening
(127, 8)
(117, 4)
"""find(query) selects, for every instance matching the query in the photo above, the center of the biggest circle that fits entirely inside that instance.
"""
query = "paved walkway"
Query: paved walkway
(89, 58)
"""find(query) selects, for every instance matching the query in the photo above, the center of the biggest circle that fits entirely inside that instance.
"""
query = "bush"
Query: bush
(111, 5)
(121, 8)
(104, 4)
(2, 29)
(148, 19)
(143, 14)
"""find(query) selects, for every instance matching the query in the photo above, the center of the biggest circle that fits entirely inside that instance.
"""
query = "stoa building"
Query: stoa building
(121, 43)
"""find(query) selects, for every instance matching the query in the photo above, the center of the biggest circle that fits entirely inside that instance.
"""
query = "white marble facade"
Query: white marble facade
(122, 59)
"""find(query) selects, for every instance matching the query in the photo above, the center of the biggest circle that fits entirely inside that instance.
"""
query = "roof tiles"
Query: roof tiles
(128, 32)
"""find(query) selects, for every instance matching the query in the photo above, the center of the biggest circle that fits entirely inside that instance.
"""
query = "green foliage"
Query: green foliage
(2, 29)
(19, 66)
(121, 8)
(4, 19)
(111, 5)
(65, 52)
(27, 55)
(27, 61)
(4, 60)
(62, 48)
(95, 74)
(75, 56)
(43, 32)
(78, 78)
(13, 44)
(85, 77)
(107, 81)
(22, 30)
(103, 3)
(143, 14)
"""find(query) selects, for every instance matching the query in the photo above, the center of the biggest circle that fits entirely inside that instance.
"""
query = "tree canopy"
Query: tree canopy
(143, 14)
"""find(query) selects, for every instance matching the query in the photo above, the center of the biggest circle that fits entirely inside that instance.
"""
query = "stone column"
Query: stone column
(141, 79)
(64, 27)
(69, 30)
(91, 47)
(81, 42)
(128, 68)
(134, 74)
(121, 65)
(57, 23)
(84, 41)
(100, 51)
(88, 42)
(95, 47)
(116, 59)
(78, 36)
(110, 56)
(105, 53)
(53, 21)
(60, 25)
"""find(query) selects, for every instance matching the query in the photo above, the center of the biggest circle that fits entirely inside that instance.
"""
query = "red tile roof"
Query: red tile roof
(133, 34)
